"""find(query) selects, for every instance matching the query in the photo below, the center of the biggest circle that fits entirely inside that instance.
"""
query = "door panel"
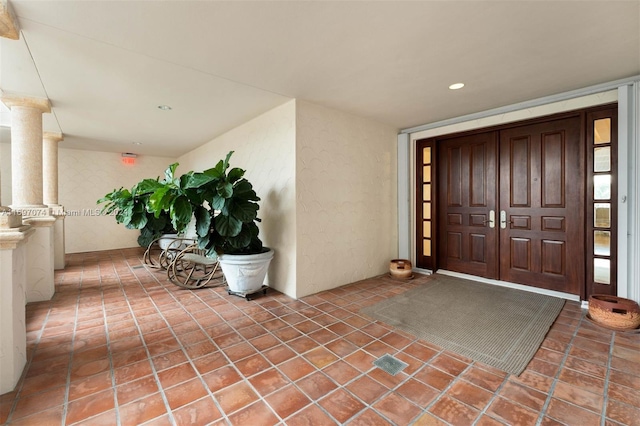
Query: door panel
(467, 187)
(553, 178)
(541, 187)
(532, 177)
(519, 157)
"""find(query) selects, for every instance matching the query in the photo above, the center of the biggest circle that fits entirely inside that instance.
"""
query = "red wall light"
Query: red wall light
(128, 158)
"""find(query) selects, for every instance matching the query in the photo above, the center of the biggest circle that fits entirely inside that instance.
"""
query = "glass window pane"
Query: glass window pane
(602, 243)
(426, 247)
(602, 187)
(602, 215)
(426, 192)
(602, 130)
(426, 174)
(426, 155)
(426, 211)
(426, 229)
(602, 271)
(602, 159)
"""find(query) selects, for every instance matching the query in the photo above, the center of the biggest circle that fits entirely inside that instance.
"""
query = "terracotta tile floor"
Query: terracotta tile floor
(118, 344)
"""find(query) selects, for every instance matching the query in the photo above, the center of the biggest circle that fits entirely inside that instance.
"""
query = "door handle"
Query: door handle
(503, 219)
(492, 219)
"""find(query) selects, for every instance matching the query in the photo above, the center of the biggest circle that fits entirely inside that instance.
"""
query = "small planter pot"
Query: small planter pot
(400, 269)
(245, 273)
(168, 241)
(614, 312)
(174, 242)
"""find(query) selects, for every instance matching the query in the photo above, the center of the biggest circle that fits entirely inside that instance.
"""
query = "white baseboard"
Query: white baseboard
(567, 296)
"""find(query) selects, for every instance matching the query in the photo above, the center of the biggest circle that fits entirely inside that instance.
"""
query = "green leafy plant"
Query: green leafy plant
(223, 202)
(130, 209)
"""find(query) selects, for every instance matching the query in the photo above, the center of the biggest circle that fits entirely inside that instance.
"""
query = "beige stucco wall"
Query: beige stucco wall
(5, 174)
(346, 210)
(265, 148)
(86, 176)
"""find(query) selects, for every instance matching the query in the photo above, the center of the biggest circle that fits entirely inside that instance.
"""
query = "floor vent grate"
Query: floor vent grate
(137, 267)
(390, 364)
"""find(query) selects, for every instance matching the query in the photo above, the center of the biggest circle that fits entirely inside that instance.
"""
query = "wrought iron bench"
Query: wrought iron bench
(192, 269)
(161, 251)
(187, 266)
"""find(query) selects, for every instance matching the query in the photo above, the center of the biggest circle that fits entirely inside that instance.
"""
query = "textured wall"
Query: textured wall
(5, 174)
(13, 331)
(40, 280)
(346, 198)
(265, 148)
(86, 176)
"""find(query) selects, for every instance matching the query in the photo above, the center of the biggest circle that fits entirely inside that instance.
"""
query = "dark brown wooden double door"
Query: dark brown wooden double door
(511, 205)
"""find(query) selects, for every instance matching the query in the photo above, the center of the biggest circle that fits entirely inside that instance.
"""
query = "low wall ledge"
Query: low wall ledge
(11, 238)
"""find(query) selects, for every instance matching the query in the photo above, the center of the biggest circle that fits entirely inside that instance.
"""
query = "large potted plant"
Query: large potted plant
(130, 209)
(225, 207)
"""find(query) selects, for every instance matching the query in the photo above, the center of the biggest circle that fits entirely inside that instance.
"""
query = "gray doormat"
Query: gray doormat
(498, 326)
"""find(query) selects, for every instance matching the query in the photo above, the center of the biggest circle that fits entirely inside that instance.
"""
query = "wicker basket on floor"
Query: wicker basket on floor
(400, 269)
(614, 312)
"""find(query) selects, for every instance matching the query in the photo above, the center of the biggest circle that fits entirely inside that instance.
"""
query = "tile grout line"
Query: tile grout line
(360, 375)
(275, 366)
(298, 354)
(23, 377)
(545, 406)
(156, 308)
(144, 344)
(443, 391)
(411, 376)
(230, 362)
(496, 395)
(224, 414)
(603, 418)
(364, 374)
(321, 370)
(393, 389)
(65, 406)
(109, 353)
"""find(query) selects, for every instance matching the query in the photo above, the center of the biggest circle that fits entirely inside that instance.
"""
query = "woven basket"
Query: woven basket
(614, 312)
(400, 268)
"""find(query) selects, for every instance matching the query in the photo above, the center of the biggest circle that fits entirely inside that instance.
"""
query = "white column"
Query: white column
(50, 167)
(26, 150)
(27, 188)
(50, 193)
(3, 209)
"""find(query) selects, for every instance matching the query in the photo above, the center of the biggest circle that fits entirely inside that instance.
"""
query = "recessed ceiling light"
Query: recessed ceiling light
(137, 143)
(456, 86)
(164, 107)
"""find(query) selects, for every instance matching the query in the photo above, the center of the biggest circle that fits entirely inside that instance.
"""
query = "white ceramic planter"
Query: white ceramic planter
(170, 241)
(166, 239)
(245, 273)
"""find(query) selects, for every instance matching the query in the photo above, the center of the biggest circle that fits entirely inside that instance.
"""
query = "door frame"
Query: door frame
(582, 113)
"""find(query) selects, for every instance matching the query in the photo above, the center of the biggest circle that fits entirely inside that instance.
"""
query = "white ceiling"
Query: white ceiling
(107, 65)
